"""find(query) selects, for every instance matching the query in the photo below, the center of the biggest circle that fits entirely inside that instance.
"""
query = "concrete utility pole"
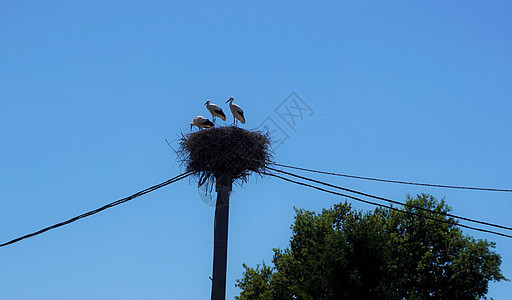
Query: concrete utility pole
(223, 188)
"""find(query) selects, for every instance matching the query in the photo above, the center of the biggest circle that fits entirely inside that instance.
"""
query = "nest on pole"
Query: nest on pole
(211, 153)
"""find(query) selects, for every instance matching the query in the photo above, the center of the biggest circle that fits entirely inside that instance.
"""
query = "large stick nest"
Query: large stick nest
(211, 153)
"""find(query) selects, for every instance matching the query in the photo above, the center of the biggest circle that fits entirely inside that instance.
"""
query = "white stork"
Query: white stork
(201, 122)
(237, 112)
(215, 110)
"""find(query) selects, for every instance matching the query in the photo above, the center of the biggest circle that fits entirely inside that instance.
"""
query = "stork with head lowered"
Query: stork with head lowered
(201, 122)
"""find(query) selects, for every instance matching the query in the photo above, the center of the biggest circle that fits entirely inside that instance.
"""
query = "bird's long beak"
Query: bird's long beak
(191, 126)
(205, 103)
(228, 100)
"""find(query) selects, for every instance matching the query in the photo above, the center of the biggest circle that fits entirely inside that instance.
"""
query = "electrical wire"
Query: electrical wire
(388, 207)
(92, 212)
(396, 181)
(389, 200)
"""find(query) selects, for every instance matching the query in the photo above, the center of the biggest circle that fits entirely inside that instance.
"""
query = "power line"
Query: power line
(391, 201)
(388, 207)
(396, 181)
(92, 212)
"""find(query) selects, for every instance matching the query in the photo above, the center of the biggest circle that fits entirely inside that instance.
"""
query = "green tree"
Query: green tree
(383, 254)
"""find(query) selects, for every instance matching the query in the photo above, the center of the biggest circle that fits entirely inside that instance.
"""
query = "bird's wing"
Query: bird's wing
(220, 112)
(241, 113)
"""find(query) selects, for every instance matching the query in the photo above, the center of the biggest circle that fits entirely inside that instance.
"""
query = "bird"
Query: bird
(237, 112)
(201, 122)
(215, 110)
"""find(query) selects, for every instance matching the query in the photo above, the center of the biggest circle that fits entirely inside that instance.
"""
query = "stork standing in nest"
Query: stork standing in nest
(215, 110)
(201, 122)
(237, 112)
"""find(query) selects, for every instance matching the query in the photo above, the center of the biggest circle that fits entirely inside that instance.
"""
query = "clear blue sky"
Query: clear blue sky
(90, 89)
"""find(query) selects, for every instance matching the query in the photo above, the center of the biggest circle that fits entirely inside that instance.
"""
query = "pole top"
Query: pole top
(224, 182)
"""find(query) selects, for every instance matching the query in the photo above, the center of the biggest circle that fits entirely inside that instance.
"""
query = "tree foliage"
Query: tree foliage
(341, 253)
